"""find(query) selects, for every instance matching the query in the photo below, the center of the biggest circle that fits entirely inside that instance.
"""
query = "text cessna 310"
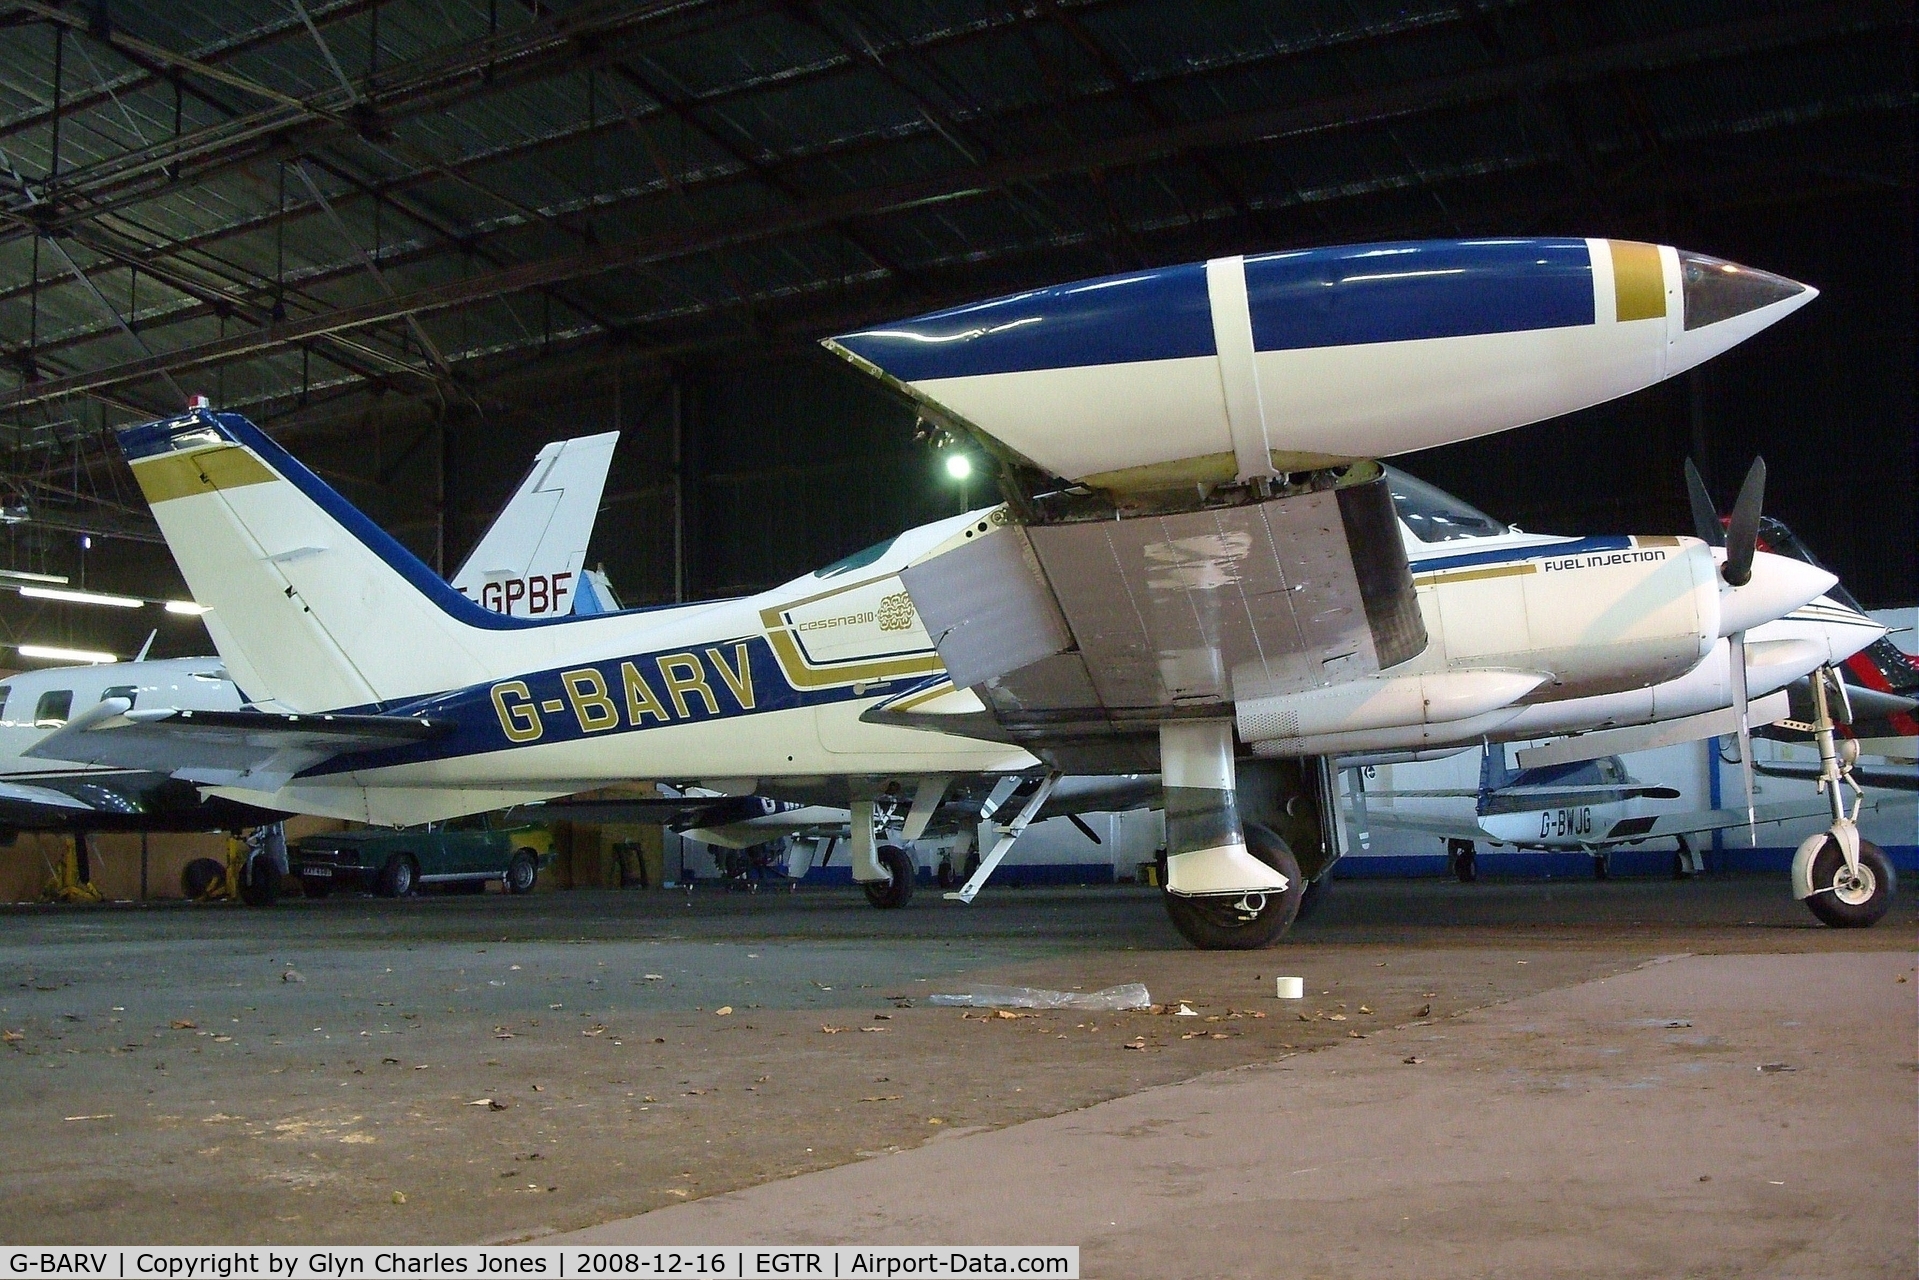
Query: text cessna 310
(1195, 561)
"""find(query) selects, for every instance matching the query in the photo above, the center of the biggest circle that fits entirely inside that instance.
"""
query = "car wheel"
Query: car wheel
(522, 872)
(400, 876)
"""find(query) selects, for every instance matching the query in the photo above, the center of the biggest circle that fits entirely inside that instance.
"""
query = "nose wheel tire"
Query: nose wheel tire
(1242, 922)
(897, 889)
(1314, 895)
(1464, 859)
(1847, 901)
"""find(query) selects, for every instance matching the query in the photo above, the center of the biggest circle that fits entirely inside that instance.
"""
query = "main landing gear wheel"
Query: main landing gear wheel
(1243, 922)
(897, 889)
(1314, 896)
(260, 883)
(1464, 859)
(1847, 901)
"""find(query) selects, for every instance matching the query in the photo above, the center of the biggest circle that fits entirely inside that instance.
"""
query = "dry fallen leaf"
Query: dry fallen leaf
(1425, 1011)
(1336, 1017)
(8, 1037)
(597, 1029)
(723, 1010)
(831, 1031)
(1009, 1015)
(1412, 1062)
(883, 1097)
(181, 1024)
(875, 1028)
(293, 975)
(481, 1102)
(1364, 1009)
(1356, 1035)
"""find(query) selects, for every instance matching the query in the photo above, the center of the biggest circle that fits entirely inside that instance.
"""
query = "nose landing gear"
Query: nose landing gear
(1845, 881)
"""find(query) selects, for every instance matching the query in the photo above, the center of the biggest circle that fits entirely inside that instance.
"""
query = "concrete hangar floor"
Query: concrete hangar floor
(1565, 1078)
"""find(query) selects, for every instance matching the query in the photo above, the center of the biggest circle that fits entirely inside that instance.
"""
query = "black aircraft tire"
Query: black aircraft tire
(399, 877)
(1218, 923)
(1464, 859)
(198, 876)
(1864, 902)
(1314, 896)
(523, 872)
(897, 889)
(315, 886)
(260, 883)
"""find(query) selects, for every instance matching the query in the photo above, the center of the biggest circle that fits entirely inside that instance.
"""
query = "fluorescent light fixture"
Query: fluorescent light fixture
(21, 575)
(80, 597)
(187, 607)
(958, 466)
(58, 654)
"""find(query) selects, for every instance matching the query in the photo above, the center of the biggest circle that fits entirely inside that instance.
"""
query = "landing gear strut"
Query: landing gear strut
(1845, 881)
(1228, 887)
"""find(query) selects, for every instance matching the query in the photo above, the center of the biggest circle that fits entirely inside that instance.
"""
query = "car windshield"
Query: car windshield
(1435, 515)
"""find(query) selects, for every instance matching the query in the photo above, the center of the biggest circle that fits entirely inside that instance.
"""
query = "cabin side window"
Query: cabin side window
(130, 692)
(55, 706)
(6, 691)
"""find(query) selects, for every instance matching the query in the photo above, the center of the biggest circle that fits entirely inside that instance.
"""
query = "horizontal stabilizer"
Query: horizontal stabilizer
(258, 750)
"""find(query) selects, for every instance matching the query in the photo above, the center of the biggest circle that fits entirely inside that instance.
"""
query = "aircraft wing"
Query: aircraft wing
(1425, 824)
(1892, 775)
(257, 750)
(1697, 820)
(16, 794)
(1090, 628)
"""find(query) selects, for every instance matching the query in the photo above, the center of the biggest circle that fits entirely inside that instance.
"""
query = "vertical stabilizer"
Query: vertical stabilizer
(529, 563)
(313, 606)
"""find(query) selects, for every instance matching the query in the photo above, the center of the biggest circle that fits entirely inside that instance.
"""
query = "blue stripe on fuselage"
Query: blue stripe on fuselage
(1149, 315)
(1533, 551)
(1359, 294)
(1350, 295)
(480, 715)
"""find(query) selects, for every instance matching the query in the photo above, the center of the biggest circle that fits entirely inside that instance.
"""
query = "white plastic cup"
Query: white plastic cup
(1291, 988)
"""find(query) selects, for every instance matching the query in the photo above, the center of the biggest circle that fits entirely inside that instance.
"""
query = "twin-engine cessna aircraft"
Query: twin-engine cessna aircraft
(1196, 561)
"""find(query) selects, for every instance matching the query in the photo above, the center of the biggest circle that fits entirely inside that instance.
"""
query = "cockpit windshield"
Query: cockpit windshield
(1435, 515)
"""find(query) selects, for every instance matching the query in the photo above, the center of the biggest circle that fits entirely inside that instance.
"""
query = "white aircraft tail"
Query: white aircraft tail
(313, 606)
(530, 562)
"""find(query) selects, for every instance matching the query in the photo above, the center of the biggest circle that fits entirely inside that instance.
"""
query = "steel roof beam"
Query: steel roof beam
(1739, 36)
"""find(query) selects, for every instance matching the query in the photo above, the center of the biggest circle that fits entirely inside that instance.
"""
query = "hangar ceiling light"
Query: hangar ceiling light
(81, 597)
(57, 654)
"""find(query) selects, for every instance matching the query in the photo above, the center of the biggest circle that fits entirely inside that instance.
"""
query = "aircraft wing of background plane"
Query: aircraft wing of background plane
(1623, 830)
(256, 749)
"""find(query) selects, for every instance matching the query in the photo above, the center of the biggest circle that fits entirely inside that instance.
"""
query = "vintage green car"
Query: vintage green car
(463, 855)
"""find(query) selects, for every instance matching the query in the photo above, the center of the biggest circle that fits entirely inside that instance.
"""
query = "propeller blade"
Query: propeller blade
(1739, 701)
(1742, 534)
(1705, 516)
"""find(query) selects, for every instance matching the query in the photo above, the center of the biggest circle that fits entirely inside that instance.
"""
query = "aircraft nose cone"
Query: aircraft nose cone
(1724, 303)
(1779, 584)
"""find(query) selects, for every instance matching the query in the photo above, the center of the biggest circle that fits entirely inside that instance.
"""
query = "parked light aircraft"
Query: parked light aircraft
(1589, 806)
(540, 536)
(1194, 552)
